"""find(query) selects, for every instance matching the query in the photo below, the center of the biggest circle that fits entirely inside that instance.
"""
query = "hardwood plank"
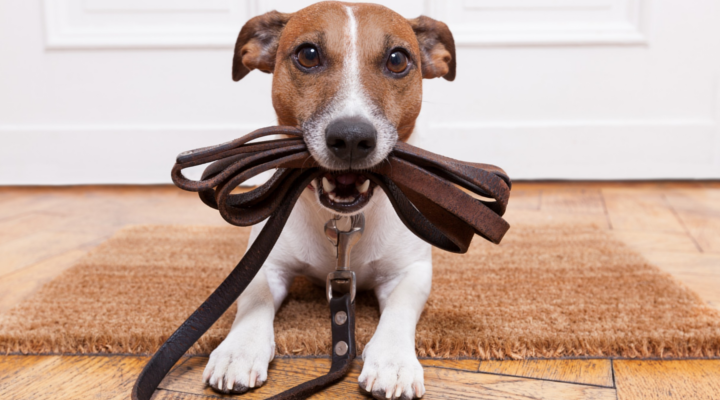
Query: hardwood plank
(699, 210)
(654, 185)
(21, 202)
(655, 380)
(699, 272)
(563, 207)
(69, 377)
(573, 201)
(13, 367)
(465, 365)
(171, 395)
(644, 210)
(451, 384)
(525, 200)
(651, 241)
(22, 283)
(28, 250)
(555, 218)
(28, 223)
(590, 372)
(283, 374)
(440, 383)
(111, 207)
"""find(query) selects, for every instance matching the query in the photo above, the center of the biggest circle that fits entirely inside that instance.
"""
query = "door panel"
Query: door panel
(550, 89)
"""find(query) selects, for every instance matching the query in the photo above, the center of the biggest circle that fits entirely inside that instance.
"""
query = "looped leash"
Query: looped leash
(429, 192)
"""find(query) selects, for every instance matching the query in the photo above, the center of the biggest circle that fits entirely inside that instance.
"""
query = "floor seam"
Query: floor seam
(208, 396)
(612, 369)
(520, 376)
(682, 223)
(605, 210)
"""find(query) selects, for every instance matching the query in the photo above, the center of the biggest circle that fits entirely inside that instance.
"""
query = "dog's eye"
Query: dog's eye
(397, 62)
(308, 56)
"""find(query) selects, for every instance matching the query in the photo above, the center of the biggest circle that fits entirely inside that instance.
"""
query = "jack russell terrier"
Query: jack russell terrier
(350, 76)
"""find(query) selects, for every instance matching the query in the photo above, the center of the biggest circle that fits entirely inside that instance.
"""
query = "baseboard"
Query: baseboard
(585, 150)
(102, 155)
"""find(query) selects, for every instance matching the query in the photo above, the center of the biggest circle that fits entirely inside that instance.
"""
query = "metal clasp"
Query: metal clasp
(342, 279)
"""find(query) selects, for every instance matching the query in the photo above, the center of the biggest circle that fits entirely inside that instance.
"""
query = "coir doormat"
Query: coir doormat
(544, 292)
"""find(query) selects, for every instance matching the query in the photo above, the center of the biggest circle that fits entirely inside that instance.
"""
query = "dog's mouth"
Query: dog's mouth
(344, 192)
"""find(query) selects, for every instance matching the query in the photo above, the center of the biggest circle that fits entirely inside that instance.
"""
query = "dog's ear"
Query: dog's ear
(257, 44)
(437, 46)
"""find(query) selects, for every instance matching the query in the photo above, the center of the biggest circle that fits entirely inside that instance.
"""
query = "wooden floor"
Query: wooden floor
(675, 225)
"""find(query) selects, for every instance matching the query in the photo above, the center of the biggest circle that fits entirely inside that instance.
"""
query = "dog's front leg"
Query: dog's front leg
(241, 361)
(391, 368)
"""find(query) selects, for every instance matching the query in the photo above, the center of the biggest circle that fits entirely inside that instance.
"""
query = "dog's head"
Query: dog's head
(350, 76)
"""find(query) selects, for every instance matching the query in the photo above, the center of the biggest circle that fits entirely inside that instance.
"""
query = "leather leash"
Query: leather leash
(428, 191)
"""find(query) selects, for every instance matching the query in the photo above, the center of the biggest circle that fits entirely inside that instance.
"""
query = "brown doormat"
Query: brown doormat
(542, 293)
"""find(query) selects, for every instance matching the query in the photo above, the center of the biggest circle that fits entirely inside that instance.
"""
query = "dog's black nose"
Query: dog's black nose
(351, 139)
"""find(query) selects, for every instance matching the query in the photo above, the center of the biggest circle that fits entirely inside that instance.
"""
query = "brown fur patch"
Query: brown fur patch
(298, 95)
(400, 99)
(256, 45)
(438, 47)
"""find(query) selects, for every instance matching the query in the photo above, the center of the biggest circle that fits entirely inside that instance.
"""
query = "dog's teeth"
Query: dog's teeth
(364, 187)
(327, 186)
(331, 196)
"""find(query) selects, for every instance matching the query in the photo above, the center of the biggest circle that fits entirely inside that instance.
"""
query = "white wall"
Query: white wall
(109, 91)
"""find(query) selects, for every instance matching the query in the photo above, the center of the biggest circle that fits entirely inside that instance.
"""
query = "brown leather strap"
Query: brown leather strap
(429, 192)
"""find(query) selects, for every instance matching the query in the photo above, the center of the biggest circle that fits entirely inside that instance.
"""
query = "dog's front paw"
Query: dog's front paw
(240, 363)
(391, 371)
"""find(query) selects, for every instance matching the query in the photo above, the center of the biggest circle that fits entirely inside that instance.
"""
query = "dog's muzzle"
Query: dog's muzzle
(429, 192)
(351, 140)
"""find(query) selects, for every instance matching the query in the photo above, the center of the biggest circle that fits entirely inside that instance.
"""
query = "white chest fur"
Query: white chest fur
(382, 253)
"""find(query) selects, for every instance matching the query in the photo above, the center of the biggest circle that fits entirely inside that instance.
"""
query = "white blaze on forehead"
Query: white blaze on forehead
(352, 95)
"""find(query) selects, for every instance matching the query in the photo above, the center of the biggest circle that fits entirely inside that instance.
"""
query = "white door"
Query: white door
(109, 91)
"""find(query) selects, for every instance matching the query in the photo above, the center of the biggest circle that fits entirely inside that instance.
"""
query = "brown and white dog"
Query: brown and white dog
(350, 76)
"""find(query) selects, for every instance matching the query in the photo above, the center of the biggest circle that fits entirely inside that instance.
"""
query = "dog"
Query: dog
(350, 76)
